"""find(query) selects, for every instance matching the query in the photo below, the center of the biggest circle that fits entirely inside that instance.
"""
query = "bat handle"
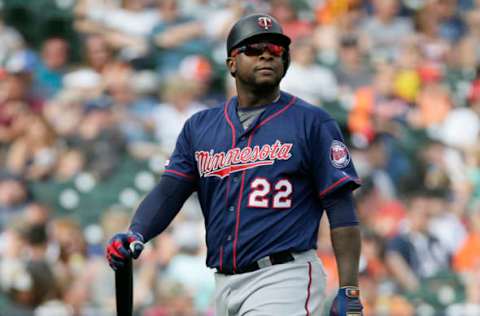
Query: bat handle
(124, 289)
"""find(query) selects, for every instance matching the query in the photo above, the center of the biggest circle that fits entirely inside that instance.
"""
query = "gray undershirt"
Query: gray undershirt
(247, 117)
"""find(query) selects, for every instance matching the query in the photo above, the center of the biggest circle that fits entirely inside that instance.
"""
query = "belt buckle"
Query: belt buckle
(264, 262)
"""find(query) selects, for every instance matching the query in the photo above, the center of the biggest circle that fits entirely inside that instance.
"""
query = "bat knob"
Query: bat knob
(136, 248)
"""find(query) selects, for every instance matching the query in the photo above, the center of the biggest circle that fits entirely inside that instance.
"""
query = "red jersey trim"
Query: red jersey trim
(269, 118)
(221, 258)
(336, 184)
(181, 174)
(227, 192)
(229, 121)
(308, 288)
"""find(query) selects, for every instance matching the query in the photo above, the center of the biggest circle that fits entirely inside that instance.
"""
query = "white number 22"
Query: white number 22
(261, 187)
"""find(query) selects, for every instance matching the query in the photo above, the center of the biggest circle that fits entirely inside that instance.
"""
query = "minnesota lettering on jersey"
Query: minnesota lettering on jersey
(221, 164)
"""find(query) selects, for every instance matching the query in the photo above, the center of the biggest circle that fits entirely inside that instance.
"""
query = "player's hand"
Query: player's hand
(123, 246)
(347, 302)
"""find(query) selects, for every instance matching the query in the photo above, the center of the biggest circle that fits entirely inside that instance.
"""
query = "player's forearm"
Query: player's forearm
(346, 243)
(160, 207)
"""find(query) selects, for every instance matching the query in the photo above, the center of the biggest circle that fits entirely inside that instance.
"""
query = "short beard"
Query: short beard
(260, 87)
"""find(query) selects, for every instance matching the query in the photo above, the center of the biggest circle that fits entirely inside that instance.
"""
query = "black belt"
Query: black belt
(276, 258)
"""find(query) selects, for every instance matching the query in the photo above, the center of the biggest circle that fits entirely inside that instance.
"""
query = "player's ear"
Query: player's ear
(231, 65)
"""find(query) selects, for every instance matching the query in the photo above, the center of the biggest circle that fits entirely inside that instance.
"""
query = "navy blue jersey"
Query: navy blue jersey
(261, 189)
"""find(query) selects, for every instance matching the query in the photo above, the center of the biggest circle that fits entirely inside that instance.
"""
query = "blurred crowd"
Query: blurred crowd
(104, 82)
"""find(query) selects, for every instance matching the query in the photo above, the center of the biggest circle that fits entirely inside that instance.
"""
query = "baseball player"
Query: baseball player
(265, 165)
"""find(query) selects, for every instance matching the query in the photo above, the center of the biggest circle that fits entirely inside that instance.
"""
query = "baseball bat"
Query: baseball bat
(124, 289)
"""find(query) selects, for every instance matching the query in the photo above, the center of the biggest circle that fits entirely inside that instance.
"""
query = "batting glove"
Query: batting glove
(123, 246)
(347, 302)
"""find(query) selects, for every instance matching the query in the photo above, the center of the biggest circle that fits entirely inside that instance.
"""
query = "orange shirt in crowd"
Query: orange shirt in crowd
(360, 118)
(433, 104)
(468, 258)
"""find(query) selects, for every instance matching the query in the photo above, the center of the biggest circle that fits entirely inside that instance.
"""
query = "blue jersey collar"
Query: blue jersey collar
(285, 100)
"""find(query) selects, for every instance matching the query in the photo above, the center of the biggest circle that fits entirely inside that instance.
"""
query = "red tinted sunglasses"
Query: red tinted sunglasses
(257, 49)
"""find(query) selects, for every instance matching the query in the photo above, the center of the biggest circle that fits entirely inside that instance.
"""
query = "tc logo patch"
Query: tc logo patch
(339, 155)
(264, 22)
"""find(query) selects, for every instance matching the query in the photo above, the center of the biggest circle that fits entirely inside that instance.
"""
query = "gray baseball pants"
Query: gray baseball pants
(295, 288)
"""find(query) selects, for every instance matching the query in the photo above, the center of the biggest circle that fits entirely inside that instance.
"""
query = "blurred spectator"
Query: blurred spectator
(372, 269)
(36, 288)
(216, 16)
(172, 300)
(71, 249)
(407, 81)
(467, 262)
(452, 26)
(382, 214)
(433, 47)
(461, 128)
(373, 247)
(11, 119)
(99, 138)
(13, 275)
(34, 152)
(440, 166)
(307, 79)
(125, 27)
(98, 53)
(53, 307)
(12, 41)
(84, 84)
(385, 30)
(17, 84)
(432, 106)
(91, 10)
(131, 110)
(462, 64)
(175, 37)
(14, 196)
(377, 158)
(94, 283)
(199, 71)
(414, 254)
(376, 108)
(466, 257)
(27, 283)
(64, 114)
(67, 235)
(287, 15)
(326, 43)
(218, 22)
(179, 104)
(198, 8)
(331, 11)
(473, 23)
(48, 74)
(444, 224)
(352, 71)
(36, 213)
(187, 266)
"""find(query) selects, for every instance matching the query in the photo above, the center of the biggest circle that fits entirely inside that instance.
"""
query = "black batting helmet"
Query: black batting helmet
(255, 26)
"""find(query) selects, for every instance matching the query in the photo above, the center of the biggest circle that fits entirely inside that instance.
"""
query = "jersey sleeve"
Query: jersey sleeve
(331, 160)
(181, 164)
